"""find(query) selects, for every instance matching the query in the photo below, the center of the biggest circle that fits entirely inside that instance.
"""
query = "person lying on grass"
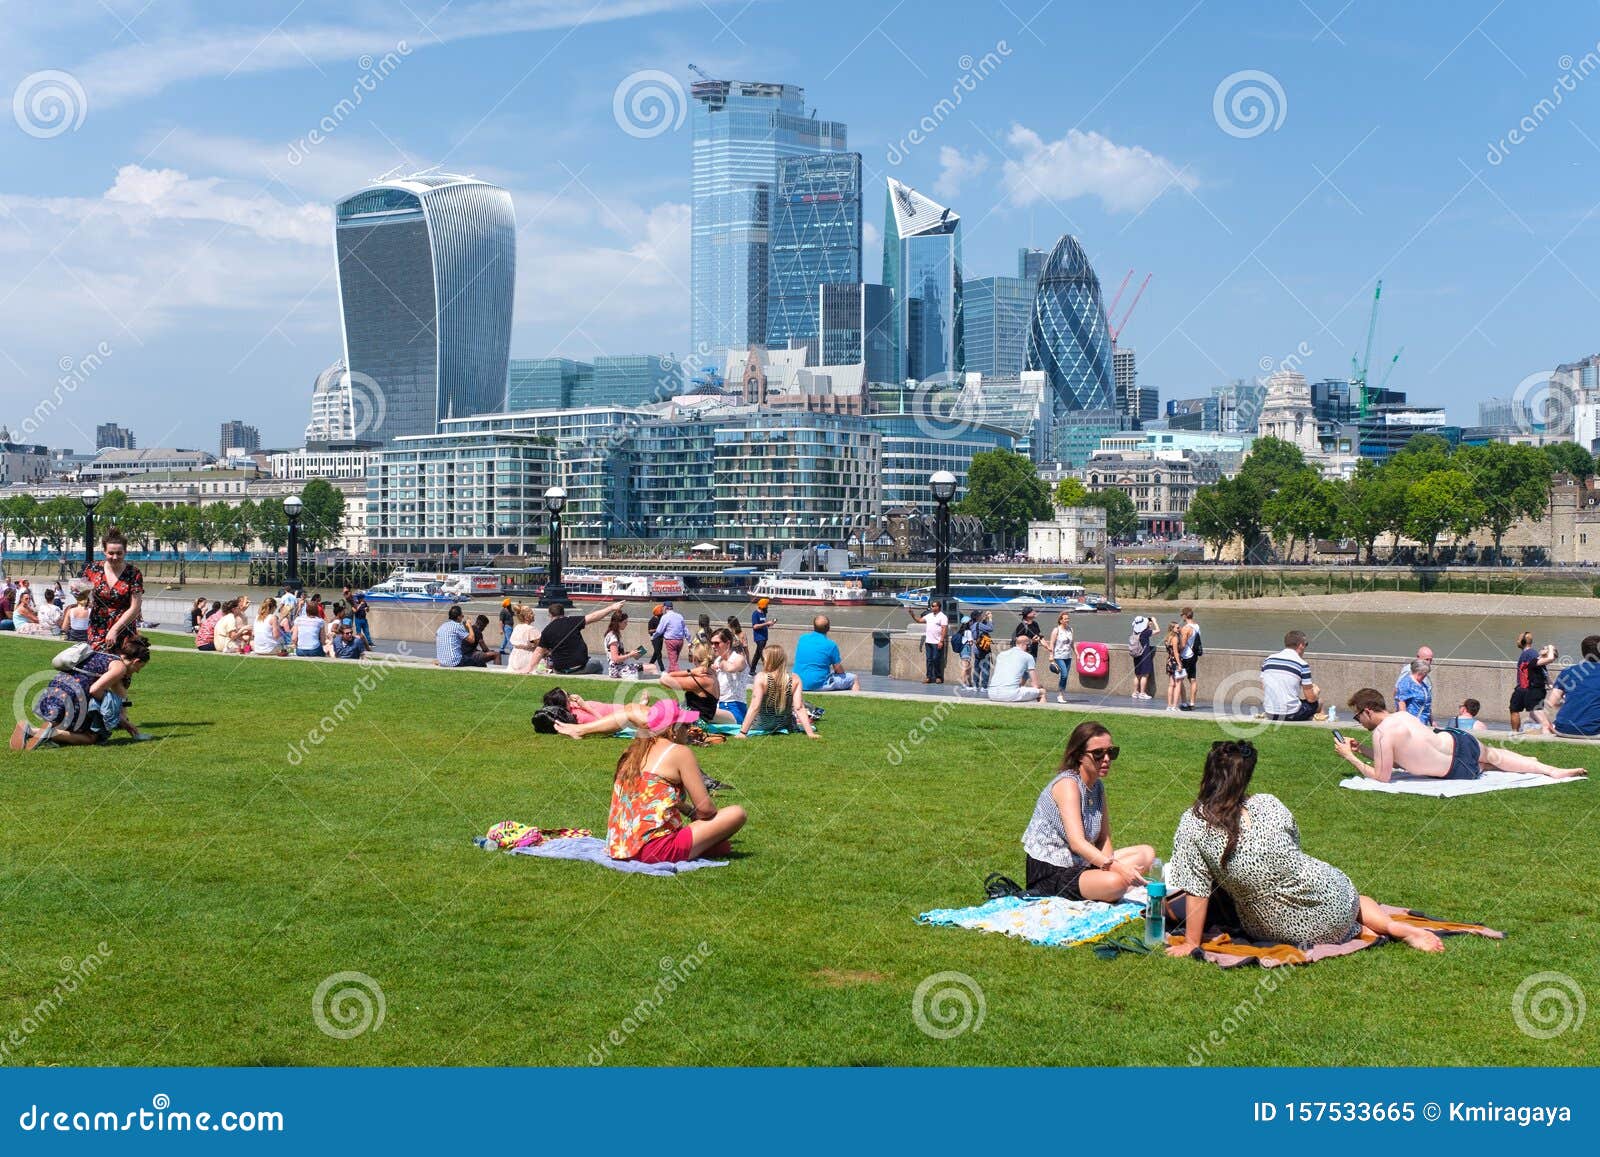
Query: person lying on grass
(82, 706)
(1401, 740)
(568, 713)
(1068, 841)
(1249, 847)
(653, 776)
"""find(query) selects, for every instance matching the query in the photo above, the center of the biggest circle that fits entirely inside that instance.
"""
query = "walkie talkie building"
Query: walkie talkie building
(427, 272)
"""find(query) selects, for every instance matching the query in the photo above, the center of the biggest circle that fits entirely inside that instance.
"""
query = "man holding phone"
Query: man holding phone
(1402, 742)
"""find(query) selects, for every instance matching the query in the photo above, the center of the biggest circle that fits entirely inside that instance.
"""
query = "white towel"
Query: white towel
(1440, 788)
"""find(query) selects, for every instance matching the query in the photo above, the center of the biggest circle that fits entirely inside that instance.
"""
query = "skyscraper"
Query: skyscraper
(995, 312)
(1030, 263)
(427, 269)
(1125, 378)
(815, 240)
(741, 131)
(238, 436)
(1068, 338)
(856, 324)
(922, 266)
(109, 435)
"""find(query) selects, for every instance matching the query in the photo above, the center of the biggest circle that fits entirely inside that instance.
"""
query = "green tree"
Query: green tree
(1570, 458)
(140, 521)
(210, 524)
(172, 526)
(1271, 463)
(1004, 493)
(1070, 492)
(1303, 508)
(1367, 504)
(270, 523)
(1440, 501)
(1122, 516)
(108, 511)
(323, 517)
(1511, 483)
(240, 530)
(1211, 517)
(17, 518)
(1421, 455)
(58, 521)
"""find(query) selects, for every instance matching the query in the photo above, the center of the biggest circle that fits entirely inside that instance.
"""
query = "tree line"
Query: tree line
(1429, 492)
(1005, 493)
(58, 522)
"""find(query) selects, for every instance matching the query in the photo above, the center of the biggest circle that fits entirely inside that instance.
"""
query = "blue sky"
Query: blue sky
(173, 228)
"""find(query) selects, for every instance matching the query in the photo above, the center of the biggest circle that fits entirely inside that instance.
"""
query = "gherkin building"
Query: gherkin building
(1068, 338)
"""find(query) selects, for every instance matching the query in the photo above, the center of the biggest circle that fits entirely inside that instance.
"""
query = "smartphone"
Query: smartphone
(1338, 736)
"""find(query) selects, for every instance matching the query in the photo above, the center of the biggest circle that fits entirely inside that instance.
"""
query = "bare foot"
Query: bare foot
(1422, 940)
(1568, 772)
(570, 730)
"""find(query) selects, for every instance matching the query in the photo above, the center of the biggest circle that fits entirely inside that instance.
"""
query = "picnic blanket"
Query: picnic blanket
(593, 849)
(1048, 920)
(1227, 950)
(1404, 784)
(725, 729)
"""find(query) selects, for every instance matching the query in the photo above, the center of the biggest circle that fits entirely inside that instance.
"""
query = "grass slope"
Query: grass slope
(228, 881)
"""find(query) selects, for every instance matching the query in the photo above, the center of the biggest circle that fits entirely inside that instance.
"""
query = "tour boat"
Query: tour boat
(628, 588)
(465, 585)
(405, 590)
(811, 590)
(1014, 593)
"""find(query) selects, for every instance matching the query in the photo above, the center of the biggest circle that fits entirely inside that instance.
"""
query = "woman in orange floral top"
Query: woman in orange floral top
(653, 776)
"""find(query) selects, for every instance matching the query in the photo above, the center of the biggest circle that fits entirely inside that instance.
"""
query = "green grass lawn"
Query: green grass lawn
(228, 882)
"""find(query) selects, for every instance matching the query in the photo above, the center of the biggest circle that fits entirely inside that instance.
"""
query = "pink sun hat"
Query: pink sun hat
(665, 712)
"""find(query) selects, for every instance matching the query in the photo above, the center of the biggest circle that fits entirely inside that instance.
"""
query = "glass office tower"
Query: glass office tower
(922, 267)
(995, 315)
(742, 129)
(426, 271)
(856, 324)
(815, 240)
(1068, 338)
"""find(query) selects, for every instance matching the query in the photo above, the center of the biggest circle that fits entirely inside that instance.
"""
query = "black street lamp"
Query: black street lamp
(555, 499)
(90, 499)
(943, 485)
(292, 506)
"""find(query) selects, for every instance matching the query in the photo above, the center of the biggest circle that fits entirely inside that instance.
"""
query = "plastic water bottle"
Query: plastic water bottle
(1155, 915)
(1333, 715)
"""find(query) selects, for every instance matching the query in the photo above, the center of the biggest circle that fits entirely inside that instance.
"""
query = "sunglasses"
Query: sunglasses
(1105, 753)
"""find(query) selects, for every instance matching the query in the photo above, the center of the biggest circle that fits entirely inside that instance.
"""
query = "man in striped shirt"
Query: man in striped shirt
(1286, 685)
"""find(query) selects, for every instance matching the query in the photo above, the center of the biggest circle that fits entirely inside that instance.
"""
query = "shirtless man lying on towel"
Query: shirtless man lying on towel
(1402, 741)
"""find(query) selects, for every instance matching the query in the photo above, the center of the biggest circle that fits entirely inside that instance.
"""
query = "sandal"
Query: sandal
(997, 885)
(1115, 946)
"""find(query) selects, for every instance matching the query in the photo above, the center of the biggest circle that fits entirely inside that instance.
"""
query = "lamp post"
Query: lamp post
(292, 506)
(90, 499)
(555, 499)
(943, 485)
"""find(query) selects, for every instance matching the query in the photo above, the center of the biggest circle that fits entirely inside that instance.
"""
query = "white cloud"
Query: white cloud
(1125, 178)
(956, 168)
(144, 68)
(142, 196)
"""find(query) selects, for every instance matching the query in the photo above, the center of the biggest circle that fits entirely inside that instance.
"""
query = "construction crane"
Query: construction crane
(702, 73)
(1112, 308)
(1116, 329)
(1358, 374)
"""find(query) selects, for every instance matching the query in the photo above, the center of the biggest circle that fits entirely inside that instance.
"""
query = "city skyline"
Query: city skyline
(186, 221)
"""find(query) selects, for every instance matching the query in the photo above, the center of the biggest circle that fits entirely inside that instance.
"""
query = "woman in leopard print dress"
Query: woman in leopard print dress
(1249, 847)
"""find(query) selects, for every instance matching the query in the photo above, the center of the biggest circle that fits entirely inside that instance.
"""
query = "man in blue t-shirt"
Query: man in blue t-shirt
(1576, 697)
(759, 622)
(817, 660)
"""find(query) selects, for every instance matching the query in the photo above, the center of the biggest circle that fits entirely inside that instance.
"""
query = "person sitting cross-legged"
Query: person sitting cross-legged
(653, 776)
(818, 662)
(1401, 740)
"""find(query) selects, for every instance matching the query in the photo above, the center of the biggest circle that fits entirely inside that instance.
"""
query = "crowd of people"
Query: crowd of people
(288, 623)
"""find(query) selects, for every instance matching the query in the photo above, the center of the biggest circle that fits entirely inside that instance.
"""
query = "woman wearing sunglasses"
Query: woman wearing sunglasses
(1248, 847)
(1068, 841)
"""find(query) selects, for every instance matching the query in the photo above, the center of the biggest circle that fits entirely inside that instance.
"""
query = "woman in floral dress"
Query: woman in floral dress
(116, 593)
